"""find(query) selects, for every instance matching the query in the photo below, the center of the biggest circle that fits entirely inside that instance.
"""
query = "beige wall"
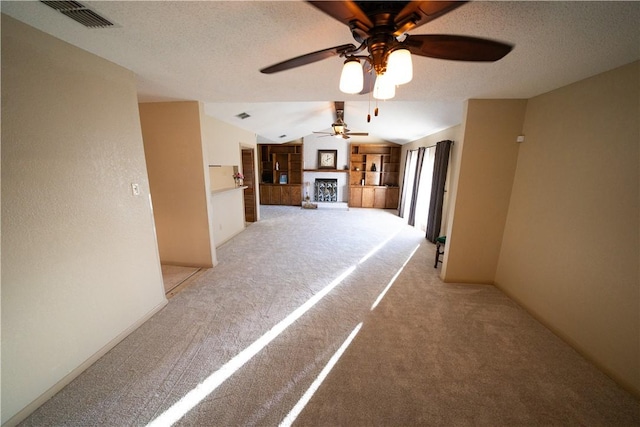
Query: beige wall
(222, 141)
(487, 165)
(177, 175)
(80, 265)
(454, 133)
(223, 145)
(226, 204)
(227, 215)
(221, 177)
(570, 252)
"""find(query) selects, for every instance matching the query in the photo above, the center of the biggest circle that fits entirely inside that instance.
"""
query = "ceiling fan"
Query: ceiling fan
(339, 126)
(379, 28)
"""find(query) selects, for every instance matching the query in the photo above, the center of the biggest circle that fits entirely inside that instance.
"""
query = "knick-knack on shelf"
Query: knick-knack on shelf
(373, 167)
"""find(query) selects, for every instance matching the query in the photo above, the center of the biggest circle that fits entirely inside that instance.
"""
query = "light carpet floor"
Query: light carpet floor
(245, 342)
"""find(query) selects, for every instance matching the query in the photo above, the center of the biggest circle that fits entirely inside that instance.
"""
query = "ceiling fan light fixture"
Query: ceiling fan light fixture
(351, 79)
(399, 66)
(338, 129)
(384, 88)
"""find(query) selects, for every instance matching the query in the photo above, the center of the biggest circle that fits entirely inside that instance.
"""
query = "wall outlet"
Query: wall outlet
(135, 189)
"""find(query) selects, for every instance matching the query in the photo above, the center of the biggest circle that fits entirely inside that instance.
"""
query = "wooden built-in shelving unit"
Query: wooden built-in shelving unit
(327, 170)
(374, 174)
(280, 174)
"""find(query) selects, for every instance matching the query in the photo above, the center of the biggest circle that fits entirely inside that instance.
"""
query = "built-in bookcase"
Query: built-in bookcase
(374, 175)
(280, 174)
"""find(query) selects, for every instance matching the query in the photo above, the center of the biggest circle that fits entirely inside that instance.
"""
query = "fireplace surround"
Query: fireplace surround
(325, 190)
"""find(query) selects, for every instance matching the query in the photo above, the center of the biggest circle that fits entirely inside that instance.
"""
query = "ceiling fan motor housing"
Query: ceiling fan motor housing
(379, 47)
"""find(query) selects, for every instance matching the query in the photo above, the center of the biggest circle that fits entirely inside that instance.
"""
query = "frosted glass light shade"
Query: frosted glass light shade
(400, 67)
(351, 79)
(384, 88)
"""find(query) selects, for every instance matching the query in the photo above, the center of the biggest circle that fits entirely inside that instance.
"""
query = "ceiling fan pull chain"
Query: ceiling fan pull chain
(369, 108)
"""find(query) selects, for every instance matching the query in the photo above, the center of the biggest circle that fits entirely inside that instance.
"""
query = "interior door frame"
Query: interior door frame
(251, 184)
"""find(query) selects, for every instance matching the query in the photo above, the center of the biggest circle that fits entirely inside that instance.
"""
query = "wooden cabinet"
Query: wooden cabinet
(280, 171)
(393, 197)
(367, 197)
(291, 195)
(380, 197)
(374, 175)
(285, 194)
(355, 196)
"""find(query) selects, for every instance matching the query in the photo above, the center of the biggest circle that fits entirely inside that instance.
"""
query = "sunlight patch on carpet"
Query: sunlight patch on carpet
(377, 248)
(306, 397)
(393, 279)
(211, 383)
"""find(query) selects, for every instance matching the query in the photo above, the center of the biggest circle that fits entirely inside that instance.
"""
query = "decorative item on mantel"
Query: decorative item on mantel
(307, 203)
(238, 178)
(307, 186)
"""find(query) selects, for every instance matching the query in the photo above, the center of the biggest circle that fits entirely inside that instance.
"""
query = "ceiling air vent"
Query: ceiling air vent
(242, 116)
(79, 13)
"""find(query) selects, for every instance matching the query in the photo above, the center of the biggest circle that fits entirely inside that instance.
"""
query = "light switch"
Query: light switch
(135, 189)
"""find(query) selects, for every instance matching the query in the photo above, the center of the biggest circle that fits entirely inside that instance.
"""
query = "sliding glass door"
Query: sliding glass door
(417, 186)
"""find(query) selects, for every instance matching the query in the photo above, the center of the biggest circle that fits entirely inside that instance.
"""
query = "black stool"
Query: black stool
(440, 242)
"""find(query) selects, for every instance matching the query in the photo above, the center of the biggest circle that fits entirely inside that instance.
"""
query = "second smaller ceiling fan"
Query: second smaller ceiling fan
(339, 127)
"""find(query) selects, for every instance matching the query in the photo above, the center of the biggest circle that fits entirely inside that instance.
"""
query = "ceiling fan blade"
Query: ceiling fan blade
(369, 80)
(456, 48)
(417, 13)
(348, 12)
(307, 58)
(357, 133)
(323, 133)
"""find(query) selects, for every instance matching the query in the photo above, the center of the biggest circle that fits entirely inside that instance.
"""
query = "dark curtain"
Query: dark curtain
(416, 183)
(440, 165)
(403, 197)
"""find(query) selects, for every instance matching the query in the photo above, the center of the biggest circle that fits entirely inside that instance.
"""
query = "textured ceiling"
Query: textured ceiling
(211, 51)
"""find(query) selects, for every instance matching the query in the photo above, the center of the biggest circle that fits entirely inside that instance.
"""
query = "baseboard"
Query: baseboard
(31, 407)
(225, 240)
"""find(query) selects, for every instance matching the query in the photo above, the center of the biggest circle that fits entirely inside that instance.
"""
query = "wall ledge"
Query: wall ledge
(225, 190)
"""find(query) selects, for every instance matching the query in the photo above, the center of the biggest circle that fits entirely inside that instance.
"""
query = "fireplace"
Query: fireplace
(325, 190)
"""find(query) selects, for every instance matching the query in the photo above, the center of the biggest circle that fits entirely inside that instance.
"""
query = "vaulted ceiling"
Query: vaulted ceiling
(212, 52)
